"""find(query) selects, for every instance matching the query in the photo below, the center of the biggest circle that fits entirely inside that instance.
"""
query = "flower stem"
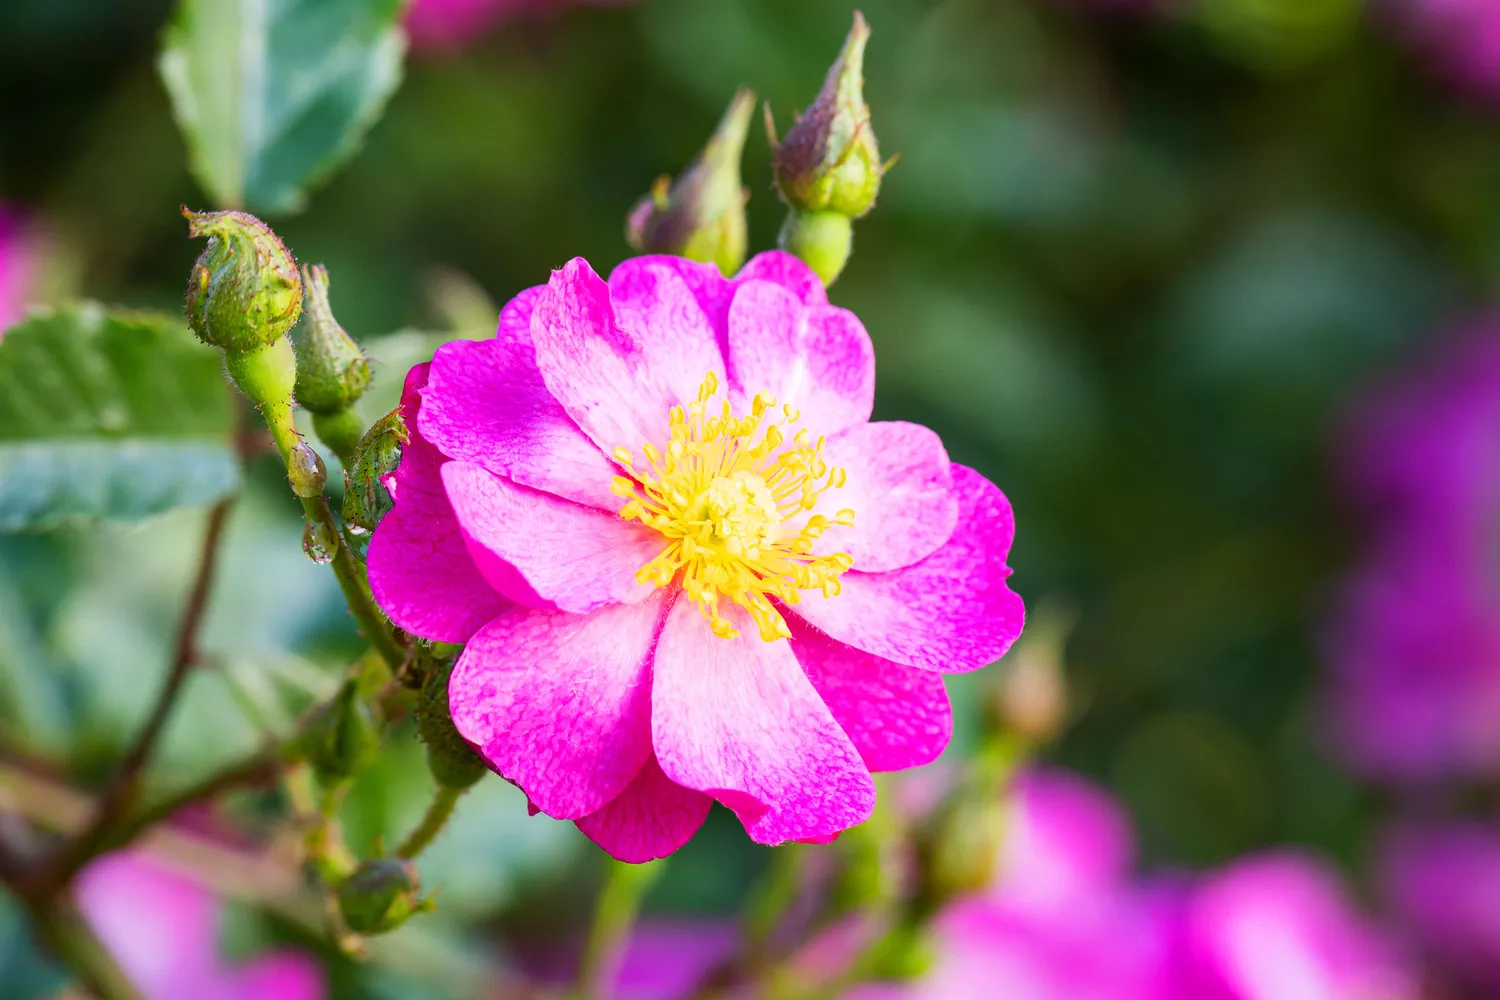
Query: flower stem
(63, 930)
(773, 897)
(346, 566)
(432, 823)
(125, 786)
(615, 911)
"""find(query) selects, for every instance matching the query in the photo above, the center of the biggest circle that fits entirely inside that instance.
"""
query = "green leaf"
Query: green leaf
(109, 414)
(272, 95)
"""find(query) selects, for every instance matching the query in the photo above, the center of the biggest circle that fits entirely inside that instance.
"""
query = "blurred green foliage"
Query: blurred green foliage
(1130, 267)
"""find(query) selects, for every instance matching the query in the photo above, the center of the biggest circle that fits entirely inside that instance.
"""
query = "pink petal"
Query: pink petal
(952, 611)
(420, 570)
(544, 551)
(560, 704)
(819, 360)
(486, 403)
(619, 358)
(710, 288)
(277, 976)
(650, 819)
(738, 719)
(896, 716)
(900, 488)
(781, 268)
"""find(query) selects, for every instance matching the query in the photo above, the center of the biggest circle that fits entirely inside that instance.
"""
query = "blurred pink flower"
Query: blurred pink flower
(1460, 37)
(1415, 638)
(1066, 919)
(637, 504)
(1280, 927)
(448, 24)
(1440, 882)
(669, 959)
(163, 929)
(17, 267)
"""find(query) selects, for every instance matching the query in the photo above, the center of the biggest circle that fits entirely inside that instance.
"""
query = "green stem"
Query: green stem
(615, 911)
(346, 566)
(125, 786)
(256, 769)
(63, 930)
(432, 824)
(774, 896)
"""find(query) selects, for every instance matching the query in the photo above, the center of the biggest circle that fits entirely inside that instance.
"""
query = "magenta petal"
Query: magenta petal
(545, 551)
(819, 360)
(276, 976)
(738, 719)
(650, 819)
(560, 704)
(619, 358)
(781, 268)
(709, 287)
(900, 487)
(486, 403)
(952, 611)
(420, 570)
(896, 716)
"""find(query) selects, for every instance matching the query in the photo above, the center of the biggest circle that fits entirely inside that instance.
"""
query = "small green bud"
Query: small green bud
(244, 291)
(701, 216)
(366, 497)
(342, 739)
(380, 896)
(332, 372)
(453, 763)
(1031, 699)
(823, 240)
(830, 160)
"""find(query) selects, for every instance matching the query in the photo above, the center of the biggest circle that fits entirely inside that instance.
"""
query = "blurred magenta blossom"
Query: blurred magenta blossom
(1440, 881)
(1415, 638)
(17, 266)
(639, 504)
(1461, 38)
(447, 24)
(163, 929)
(1067, 918)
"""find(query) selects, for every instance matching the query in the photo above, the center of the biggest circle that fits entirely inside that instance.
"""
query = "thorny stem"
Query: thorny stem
(615, 911)
(64, 931)
(125, 786)
(346, 566)
(432, 823)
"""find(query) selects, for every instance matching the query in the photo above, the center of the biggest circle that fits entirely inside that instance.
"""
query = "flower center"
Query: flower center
(728, 495)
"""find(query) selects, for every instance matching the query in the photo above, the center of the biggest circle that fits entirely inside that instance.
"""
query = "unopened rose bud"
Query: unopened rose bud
(701, 215)
(380, 896)
(342, 739)
(367, 496)
(332, 372)
(244, 291)
(1031, 699)
(453, 763)
(830, 161)
(959, 844)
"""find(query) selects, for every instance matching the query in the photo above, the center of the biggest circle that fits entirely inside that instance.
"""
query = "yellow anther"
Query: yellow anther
(728, 503)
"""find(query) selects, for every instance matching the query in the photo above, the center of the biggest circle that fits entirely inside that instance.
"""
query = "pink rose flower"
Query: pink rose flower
(1414, 640)
(163, 929)
(1280, 927)
(17, 267)
(686, 566)
(1460, 37)
(1440, 881)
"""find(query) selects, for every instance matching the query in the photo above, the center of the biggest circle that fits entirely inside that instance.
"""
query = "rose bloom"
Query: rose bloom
(1461, 39)
(163, 929)
(17, 267)
(448, 24)
(686, 566)
(1439, 880)
(1415, 637)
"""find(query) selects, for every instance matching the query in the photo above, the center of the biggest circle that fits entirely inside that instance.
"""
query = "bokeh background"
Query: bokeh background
(1144, 265)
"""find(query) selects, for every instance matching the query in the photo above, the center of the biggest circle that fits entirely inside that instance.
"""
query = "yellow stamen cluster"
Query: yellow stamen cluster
(724, 495)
